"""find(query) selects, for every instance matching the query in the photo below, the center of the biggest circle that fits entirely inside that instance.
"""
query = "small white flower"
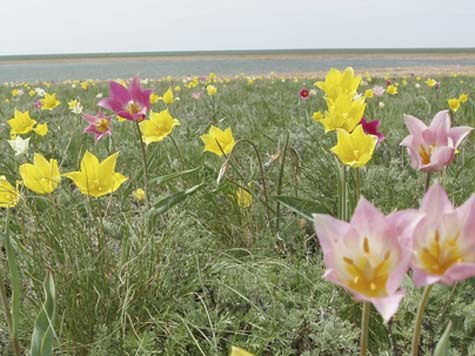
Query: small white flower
(19, 145)
(99, 95)
(40, 92)
(381, 105)
(417, 85)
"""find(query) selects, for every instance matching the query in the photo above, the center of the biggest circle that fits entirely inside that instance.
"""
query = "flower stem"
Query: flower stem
(344, 195)
(364, 329)
(357, 185)
(427, 184)
(144, 162)
(416, 337)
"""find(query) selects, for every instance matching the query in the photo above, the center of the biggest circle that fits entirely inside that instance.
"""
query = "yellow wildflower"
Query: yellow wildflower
(218, 141)
(337, 82)
(392, 90)
(211, 90)
(9, 196)
(344, 113)
(42, 176)
(354, 149)
(369, 93)
(49, 102)
(158, 127)
(21, 123)
(454, 104)
(463, 98)
(41, 129)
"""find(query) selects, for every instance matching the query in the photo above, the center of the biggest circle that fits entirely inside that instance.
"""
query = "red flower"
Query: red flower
(304, 94)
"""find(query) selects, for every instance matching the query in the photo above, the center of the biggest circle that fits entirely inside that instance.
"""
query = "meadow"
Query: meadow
(207, 256)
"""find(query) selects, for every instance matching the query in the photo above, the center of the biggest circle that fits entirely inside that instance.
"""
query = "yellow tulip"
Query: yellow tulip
(392, 90)
(168, 98)
(42, 176)
(337, 83)
(236, 351)
(243, 198)
(97, 179)
(21, 123)
(9, 196)
(211, 90)
(369, 93)
(158, 127)
(343, 113)
(454, 104)
(354, 149)
(41, 129)
(463, 98)
(218, 141)
(49, 102)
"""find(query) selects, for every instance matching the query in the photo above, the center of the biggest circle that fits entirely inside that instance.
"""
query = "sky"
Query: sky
(89, 26)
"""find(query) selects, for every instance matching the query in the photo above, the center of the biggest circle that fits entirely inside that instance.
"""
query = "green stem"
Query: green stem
(279, 185)
(144, 162)
(427, 184)
(344, 195)
(364, 329)
(416, 337)
(357, 185)
(180, 156)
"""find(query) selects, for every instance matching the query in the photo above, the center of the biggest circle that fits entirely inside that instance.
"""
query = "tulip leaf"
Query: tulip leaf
(442, 348)
(167, 203)
(166, 178)
(303, 207)
(42, 338)
(15, 285)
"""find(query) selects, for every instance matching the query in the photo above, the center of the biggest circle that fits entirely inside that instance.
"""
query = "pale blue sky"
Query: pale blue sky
(75, 26)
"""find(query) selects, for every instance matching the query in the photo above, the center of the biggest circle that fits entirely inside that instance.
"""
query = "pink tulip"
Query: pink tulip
(196, 95)
(368, 256)
(378, 90)
(433, 148)
(98, 125)
(443, 240)
(131, 104)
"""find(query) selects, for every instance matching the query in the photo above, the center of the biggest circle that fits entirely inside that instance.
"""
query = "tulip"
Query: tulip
(433, 148)
(343, 113)
(158, 127)
(354, 149)
(99, 125)
(21, 123)
(42, 176)
(9, 196)
(218, 141)
(337, 83)
(49, 102)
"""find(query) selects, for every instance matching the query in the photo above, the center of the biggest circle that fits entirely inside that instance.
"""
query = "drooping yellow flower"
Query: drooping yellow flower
(454, 104)
(369, 93)
(97, 179)
(21, 123)
(392, 90)
(236, 351)
(154, 98)
(211, 90)
(49, 102)
(41, 129)
(431, 82)
(9, 196)
(354, 149)
(42, 176)
(168, 98)
(243, 198)
(343, 113)
(463, 98)
(317, 116)
(337, 83)
(138, 194)
(218, 141)
(158, 127)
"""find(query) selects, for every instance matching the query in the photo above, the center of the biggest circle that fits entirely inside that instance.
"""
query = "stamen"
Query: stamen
(366, 245)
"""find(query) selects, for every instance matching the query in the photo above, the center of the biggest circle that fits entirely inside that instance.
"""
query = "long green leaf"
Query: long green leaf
(303, 207)
(166, 178)
(15, 284)
(42, 338)
(167, 203)
(442, 348)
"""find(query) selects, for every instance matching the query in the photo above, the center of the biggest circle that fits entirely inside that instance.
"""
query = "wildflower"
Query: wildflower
(463, 98)
(454, 104)
(443, 240)
(131, 104)
(344, 113)
(158, 127)
(32, 92)
(432, 148)
(337, 83)
(42, 176)
(99, 125)
(196, 95)
(431, 82)
(369, 93)
(21, 123)
(318, 116)
(49, 102)
(381, 104)
(75, 106)
(392, 89)
(19, 145)
(9, 196)
(211, 90)
(404, 82)
(417, 85)
(378, 90)
(243, 198)
(154, 98)
(40, 92)
(138, 194)
(177, 88)
(354, 149)
(368, 260)
(41, 129)
(168, 98)
(236, 351)
(387, 82)
(218, 141)
(304, 94)
(371, 128)
(84, 85)
(97, 179)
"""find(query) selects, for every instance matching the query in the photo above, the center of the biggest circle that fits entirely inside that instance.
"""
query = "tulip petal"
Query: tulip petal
(436, 202)
(387, 306)
(457, 134)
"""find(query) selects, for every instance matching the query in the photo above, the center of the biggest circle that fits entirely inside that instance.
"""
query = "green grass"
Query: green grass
(207, 274)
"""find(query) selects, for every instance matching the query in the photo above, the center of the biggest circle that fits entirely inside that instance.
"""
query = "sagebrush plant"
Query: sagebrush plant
(207, 273)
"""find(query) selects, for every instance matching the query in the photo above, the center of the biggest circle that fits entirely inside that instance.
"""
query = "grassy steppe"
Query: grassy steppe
(208, 274)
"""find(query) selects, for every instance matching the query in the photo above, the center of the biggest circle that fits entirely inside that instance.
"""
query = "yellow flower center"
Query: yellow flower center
(369, 273)
(133, 108)
(439, 256)
(102, 125)
(425, 155)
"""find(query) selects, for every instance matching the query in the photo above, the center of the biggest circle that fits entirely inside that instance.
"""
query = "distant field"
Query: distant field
(229, 63)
